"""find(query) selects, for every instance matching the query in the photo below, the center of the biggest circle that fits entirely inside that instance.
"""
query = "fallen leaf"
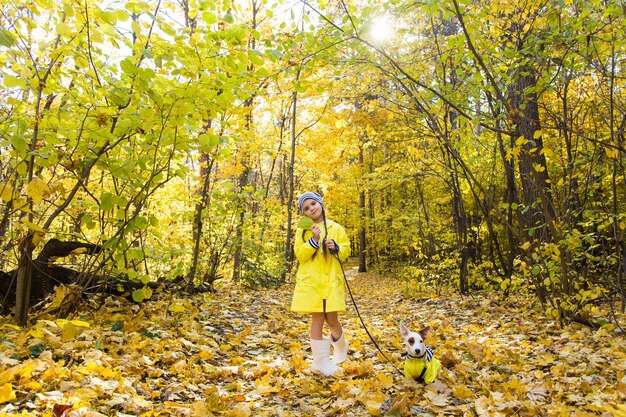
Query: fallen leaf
(436, 399)
(462, 392)
(6, 393)
(85, 412)
(537, 393)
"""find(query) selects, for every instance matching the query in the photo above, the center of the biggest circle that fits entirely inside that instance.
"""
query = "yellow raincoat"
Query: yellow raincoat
(319, 276)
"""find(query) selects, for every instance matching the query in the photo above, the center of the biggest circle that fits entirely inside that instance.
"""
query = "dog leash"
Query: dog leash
(361, 318)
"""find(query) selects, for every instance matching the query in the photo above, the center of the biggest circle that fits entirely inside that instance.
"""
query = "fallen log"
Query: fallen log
(45, 275)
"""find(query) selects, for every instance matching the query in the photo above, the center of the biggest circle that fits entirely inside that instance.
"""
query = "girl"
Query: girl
(319, 289)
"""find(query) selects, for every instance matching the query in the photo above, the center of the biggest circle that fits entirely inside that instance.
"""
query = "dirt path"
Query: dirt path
(242, 353)
(500, 359)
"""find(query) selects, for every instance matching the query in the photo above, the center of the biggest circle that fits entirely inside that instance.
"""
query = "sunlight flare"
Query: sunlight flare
(381, 29)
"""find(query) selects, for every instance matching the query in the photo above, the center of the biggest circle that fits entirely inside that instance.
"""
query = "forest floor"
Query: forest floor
(241, 352)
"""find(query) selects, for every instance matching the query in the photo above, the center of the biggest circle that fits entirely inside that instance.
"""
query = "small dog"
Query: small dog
(420, 363)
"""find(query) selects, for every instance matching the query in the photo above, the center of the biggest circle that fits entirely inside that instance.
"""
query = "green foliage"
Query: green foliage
(305, 223)
(266, 273)
(141, 294)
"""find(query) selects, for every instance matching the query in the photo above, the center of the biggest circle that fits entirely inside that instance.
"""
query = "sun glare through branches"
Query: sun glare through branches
(381, 29)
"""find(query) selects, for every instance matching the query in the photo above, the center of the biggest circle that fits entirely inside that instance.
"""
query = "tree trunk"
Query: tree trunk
(203, 202)
(362, 223)
(573, 211)
(238, 253)
(429, 245)
(458, 205)
(191, 23)
(24, 280)
(538, 211)
(292, 160)
(510, 197)
(617, 168)
(244, 177)
(460, 222)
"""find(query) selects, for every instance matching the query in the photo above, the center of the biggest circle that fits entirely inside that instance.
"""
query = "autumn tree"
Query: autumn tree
(98, 121)
(484, 103)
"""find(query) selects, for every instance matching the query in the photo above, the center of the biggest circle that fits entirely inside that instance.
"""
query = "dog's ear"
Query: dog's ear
(403, 330)
(424, 332)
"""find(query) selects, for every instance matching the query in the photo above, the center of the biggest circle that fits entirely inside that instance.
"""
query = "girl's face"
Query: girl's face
(313, 210)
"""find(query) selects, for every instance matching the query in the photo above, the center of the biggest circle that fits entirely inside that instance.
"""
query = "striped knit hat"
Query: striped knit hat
(309, 196)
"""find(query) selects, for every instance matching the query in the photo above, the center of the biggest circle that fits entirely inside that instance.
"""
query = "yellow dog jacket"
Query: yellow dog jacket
(422, 369)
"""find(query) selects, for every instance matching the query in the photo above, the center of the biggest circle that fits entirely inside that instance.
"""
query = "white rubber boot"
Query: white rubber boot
(321, 357)
(340, 349)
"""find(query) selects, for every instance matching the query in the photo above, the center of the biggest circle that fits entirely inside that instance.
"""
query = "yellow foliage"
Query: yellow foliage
(198, 408)
(618, 411)
(177, 308)
(373, 401)
(611, 152)
(6, 192)
(492, 369)
(84, 412)
(205, 354)
(37, 190)
(20, 372)
(621, 387)
(240, 410)
(21, 204)
(6, 393)
(69, 332)
(33, 385)
(462, 392)
(61, 293)
(385, 381)
(513, 153)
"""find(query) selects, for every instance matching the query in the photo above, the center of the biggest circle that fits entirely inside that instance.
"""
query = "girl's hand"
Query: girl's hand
(316, 232)
(330, 244)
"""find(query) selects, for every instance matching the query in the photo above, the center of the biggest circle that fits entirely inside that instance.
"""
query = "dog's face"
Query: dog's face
(414, 341)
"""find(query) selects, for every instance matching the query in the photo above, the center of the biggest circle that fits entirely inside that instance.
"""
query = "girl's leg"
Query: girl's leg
(338, 338)
(320, 347)
(334, 325)
(317, 326)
